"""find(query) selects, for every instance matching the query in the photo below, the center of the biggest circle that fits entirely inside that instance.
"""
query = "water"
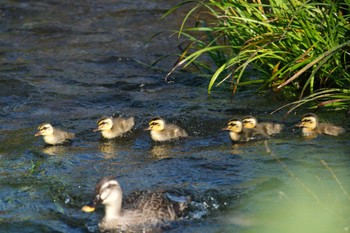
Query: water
(69, 63)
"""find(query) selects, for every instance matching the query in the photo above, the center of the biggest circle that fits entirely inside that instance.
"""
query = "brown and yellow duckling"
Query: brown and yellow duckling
(112, 127)
(238, 133)
(161, 131)
(268, 128)
(53, 136)
(142, 209)
(311, 127)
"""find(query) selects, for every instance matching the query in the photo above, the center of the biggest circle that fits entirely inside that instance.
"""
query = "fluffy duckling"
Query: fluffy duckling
(268, 128)
(143, 209)
(237, 132)
(53, 136)
(160, 131)
(311, 127)
(112, 127)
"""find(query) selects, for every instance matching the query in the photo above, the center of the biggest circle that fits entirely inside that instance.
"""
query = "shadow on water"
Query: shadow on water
(69, 63)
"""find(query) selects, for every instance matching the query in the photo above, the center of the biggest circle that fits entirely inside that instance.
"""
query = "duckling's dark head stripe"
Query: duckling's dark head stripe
(153, 123)
(309, 115)
(102, 119)
(101, 122)
(43, 126)
(233, 121)
(306, 120)
(155, 119)
(248, 117)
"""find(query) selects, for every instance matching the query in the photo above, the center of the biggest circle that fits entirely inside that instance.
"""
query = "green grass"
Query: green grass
(300, 48)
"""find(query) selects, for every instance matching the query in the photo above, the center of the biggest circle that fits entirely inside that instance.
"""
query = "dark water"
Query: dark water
(70, 62)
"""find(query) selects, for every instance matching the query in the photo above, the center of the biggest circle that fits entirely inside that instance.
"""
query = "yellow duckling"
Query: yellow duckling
(53, 136)
(112, 127)
(143, 209)
(237, 132)
(268, 128)
(160, 131)
(311, 127)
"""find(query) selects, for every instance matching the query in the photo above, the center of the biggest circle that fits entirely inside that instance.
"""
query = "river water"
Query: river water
(71, 62)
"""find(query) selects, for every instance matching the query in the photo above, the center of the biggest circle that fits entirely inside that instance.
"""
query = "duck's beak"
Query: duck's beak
(226, 128)
(37, 134)
(92, 205)
(299, 125)
(95, 130)
(148, 128)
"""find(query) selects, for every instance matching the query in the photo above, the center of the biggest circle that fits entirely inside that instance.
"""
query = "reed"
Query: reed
(299, 47)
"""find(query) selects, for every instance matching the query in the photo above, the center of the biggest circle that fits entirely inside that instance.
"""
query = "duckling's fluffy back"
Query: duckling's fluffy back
(170, 132)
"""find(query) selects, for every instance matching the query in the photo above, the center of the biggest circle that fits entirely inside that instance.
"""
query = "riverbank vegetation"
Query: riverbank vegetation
(301, 49)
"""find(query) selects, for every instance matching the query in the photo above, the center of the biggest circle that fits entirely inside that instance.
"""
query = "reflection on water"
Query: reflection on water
(71, 62)
(109, 149)
(161, 151)
(55, 150)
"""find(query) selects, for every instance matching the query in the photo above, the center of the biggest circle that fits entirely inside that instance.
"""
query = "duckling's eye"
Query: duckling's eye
(43, 128)
(232, 124)
(111, 185)
(153, 123)
(102, 123)
(306, 120)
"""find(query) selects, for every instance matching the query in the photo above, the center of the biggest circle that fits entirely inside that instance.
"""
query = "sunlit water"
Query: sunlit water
(69, 63)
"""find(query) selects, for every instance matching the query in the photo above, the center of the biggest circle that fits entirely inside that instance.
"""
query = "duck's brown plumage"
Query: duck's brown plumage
(141, 209)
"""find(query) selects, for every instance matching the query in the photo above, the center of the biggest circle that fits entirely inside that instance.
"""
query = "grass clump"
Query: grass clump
(300, 48)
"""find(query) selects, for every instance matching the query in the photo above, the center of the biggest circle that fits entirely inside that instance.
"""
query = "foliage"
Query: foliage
(299, 47)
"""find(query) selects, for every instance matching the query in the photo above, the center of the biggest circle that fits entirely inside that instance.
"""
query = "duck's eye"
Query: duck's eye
(102, 123)
(43, 128)
(232, 124)
(153, 123)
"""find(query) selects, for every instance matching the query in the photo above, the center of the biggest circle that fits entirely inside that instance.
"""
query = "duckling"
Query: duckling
(143, 209)
(237, 132)
(53, 136)
(112, 127)
(160, 131)
(311, 127)
(268, 128)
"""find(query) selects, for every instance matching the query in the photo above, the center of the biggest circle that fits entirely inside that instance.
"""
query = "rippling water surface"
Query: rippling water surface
(71, 62)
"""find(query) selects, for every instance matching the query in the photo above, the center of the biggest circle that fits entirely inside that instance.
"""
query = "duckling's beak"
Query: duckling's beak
(226, 128)
(92, 205)
(299, 125)
(37, 134)
(95, 130)
(148, 128)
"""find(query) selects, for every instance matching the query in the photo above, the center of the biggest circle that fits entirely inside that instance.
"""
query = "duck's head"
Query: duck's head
(234, 125)
(249, 122)
(156, 123)
(44, 129)
(309, 121)
(104, 123)
(107, 192)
